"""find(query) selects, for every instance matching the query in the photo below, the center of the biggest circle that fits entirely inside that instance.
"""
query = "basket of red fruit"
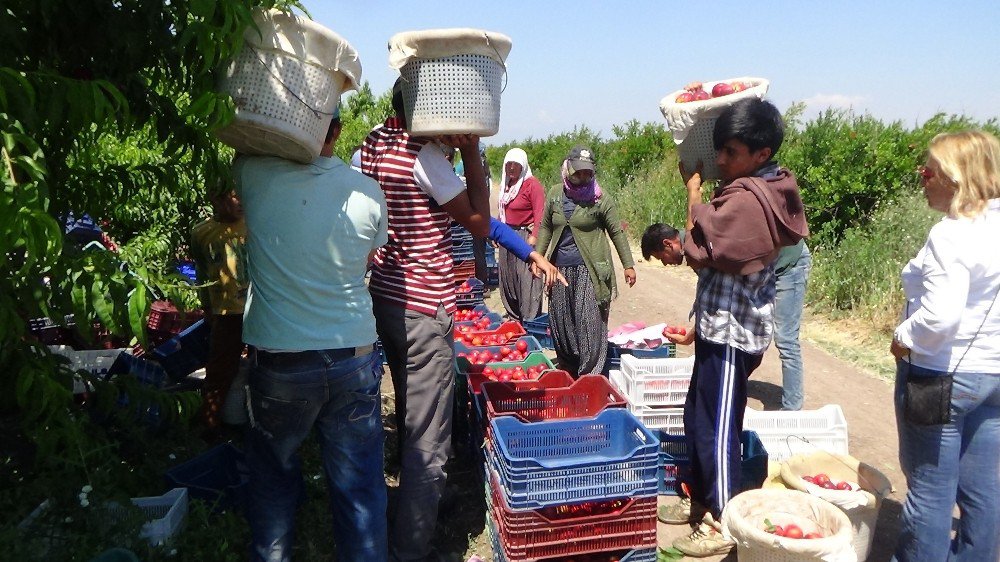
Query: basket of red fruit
(778, 525)
(691, 113)
(855, 487)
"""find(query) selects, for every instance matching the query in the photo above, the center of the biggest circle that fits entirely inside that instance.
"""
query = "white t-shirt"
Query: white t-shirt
(949, 287)
(435, 175)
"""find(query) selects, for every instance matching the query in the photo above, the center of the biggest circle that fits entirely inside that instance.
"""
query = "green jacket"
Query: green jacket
(591, 225)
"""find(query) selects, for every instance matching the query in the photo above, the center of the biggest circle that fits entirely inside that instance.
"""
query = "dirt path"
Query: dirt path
(664, 294)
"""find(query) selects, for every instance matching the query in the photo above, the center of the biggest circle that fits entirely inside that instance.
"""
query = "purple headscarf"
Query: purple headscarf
(589, 192)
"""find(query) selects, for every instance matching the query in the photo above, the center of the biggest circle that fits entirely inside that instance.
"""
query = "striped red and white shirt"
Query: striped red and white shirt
(414, 269)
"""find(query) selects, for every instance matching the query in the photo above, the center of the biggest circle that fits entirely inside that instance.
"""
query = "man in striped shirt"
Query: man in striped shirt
(413, 291)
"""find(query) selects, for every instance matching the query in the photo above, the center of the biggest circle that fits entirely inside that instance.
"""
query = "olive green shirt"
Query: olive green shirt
(591, 224)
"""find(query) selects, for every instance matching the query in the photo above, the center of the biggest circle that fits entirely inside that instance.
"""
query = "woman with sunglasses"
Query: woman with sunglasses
(948, 360)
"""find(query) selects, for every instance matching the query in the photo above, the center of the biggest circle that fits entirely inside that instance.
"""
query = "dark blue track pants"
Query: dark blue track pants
(713, 421)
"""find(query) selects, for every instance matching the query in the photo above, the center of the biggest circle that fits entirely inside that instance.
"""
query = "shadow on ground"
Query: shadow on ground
(768, 393)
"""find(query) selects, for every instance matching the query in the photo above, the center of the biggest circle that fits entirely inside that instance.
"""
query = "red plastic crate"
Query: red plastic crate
(513, 328)
(586, 397)
(625, 523)
(165, 317)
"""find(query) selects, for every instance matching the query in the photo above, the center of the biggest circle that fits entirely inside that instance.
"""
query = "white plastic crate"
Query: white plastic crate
(669, 419)
(164, 515)
(785, 434)
(96, 361)
(655, 381)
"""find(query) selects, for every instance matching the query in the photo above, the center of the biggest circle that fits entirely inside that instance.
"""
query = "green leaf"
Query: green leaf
(138, 309)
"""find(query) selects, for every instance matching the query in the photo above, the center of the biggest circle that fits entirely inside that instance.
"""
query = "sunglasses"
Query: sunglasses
(925, 172)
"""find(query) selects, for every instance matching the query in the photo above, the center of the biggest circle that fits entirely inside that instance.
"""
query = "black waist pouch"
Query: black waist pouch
(928, 399)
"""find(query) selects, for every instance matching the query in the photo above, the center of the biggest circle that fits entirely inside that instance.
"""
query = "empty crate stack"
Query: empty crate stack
(462, 253)
(656, 389)
(569, 471)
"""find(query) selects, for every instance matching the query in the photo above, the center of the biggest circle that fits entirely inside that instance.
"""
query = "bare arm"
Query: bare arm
(470, 208)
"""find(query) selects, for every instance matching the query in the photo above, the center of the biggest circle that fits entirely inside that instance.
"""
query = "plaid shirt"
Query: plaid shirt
(735, 309)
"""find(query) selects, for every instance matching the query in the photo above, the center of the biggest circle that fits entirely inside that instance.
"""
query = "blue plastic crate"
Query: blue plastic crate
(539, 328)
(615, 353)
(147, 372)
(184, 353)
(571, 461)
(218, 476)
(186, 268)
(674, 463)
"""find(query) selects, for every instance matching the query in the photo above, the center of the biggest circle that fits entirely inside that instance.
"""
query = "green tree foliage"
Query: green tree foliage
(361, 112)
(106, 108)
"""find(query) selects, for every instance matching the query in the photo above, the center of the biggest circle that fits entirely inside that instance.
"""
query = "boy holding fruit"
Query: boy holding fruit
(732, 242)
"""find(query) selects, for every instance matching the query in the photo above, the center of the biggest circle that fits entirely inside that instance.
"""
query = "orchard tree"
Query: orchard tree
(106, 108)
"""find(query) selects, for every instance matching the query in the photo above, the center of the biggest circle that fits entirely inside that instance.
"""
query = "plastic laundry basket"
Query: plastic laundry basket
(286, 83)
(452, 79)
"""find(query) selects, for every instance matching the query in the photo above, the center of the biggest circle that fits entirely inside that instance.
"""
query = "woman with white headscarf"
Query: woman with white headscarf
(522, 200)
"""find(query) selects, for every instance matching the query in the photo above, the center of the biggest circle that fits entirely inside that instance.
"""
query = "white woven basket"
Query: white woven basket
(744, 520)
(452, 79)
(286, 83)
(861, 507)
(693, 123)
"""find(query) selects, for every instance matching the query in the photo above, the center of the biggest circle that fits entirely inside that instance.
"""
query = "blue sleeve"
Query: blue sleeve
(506, 237)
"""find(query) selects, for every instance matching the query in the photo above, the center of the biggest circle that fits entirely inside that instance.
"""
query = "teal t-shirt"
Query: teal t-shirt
(310, 228)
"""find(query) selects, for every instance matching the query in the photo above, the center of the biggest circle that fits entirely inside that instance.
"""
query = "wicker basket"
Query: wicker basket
(861, 506)
(452, 80)
(286, 83)
(693, 123)
(744, 520)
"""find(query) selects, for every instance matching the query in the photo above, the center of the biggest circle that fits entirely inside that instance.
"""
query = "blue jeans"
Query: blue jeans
(790, 292)
(957, 462)
(338, 394)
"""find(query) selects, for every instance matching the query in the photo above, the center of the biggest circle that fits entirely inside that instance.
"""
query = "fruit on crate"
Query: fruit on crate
(694, 91)
(722, 89)
(516, 373)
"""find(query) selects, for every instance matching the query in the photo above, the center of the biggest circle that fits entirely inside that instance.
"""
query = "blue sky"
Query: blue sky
(604, 63)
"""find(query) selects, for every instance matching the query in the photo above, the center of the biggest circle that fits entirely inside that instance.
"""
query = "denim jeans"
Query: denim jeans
(957, 462)
(790, 292)
(339, 395)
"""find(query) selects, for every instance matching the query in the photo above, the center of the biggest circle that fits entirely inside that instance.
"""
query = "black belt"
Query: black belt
(525, 227)
(292, 358)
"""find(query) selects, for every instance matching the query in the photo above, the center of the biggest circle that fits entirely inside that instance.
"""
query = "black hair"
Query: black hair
(653, 237)
(332, 130)
(752, 121)
(397, 98)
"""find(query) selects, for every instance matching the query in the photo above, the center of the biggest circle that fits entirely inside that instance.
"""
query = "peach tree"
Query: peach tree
(106, 108)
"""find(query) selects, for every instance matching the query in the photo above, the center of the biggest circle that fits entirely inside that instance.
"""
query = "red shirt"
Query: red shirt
(414, 269)
(528, 206)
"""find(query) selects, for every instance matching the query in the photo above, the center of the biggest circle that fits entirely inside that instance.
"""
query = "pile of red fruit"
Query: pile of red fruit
(823, 481)
(583, 509)
(518, 353)
(790, 531)
(721, 89)
(465, 287)
(515, 373)
(479, 325)
(468, 315)
(478, 339)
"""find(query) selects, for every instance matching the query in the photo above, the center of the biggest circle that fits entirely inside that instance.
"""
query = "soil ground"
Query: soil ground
(665, 295)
